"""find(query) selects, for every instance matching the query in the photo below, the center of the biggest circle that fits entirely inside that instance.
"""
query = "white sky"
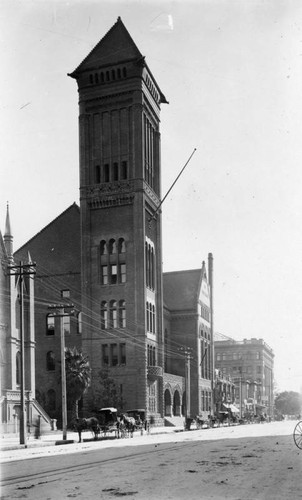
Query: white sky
(232, 72)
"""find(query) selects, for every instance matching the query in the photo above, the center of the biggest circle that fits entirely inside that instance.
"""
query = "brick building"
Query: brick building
(106, 256)
(250, 364)
(56, 250)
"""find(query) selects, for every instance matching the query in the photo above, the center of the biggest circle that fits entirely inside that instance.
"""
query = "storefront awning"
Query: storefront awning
(232, 408)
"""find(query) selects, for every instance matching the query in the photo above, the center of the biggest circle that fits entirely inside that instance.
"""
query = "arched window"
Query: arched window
(50, 361)
(124, 72)
(113, 314)
(113, 74)
(153, 319)
(147, 316)
(96, 76)
(91, 79)
(147, 263)
(112, 246)
(150, 266)
(50, 324)
(18, 368)
(152, 269)
(119, 72)
(102, 77)
(104, 315)
(122, 314)
(103, 247)
(121, 245)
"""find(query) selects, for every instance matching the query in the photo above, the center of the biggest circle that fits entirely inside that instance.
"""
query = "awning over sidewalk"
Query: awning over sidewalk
(232, 408)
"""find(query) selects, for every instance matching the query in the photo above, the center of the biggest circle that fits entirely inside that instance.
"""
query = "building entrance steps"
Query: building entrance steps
(174, 421)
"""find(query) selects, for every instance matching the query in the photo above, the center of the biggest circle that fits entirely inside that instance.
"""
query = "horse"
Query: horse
(127, 424)
(83, 424)
(199, 422)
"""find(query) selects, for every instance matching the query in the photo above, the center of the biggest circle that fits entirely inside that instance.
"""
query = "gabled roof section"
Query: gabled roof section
(72, 208)
(115, 47)
(181, 289)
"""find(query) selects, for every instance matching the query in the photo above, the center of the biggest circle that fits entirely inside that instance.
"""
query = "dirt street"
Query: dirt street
(209, 464)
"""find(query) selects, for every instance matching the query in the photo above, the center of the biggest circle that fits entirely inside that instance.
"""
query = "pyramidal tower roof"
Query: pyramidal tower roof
(8, 231)
(116, 46)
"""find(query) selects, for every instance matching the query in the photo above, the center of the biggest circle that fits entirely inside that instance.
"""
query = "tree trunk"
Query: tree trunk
(74, 409)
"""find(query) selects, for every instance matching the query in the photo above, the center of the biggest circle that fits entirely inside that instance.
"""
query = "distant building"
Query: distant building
(250, 364)
(224, 395)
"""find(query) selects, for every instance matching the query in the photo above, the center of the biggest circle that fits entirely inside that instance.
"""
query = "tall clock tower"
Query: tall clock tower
(120, 192)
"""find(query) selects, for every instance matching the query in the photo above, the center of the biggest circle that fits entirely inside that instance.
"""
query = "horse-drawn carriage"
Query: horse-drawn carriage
(139, 416)
(297, 434)
(108, 420)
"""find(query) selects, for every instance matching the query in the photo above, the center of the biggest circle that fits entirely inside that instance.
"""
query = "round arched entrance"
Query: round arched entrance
(176, 404)
(168, 403)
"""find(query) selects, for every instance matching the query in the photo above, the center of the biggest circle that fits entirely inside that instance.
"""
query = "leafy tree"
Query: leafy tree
(106, 393)
(78, 377)
(288, 403)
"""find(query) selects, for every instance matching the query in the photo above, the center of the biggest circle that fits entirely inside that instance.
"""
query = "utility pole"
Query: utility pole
(188, 357)
(212, 364)
(60, 311)
(188, 384)
(22, 270)
(240, 390)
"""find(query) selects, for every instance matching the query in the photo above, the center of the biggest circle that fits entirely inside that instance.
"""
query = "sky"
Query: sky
(232, 73)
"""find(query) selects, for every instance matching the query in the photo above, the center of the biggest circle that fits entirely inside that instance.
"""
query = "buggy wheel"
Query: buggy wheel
(298, 435)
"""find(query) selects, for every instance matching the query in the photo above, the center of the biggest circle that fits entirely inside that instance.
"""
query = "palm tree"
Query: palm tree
(78, 377)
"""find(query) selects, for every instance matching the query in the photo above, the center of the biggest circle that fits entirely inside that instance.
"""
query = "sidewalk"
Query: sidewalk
(53, 438)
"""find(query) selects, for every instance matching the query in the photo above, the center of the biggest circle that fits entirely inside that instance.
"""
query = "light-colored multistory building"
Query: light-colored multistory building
(250, 364)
